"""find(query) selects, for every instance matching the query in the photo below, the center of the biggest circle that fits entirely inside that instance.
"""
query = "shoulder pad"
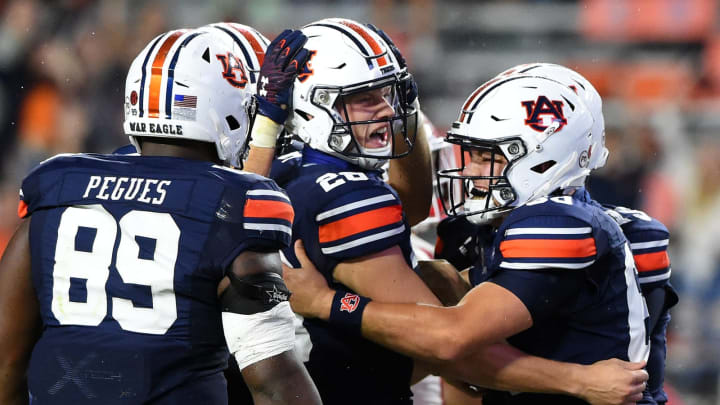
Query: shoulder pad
(284, 168)
(360, 222)
(43, 182)
(649, 239)
(268, 213)
(555, 233)
(564, 205)
(637, 225)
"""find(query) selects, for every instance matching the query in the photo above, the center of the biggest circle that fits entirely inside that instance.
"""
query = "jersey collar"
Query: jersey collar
(311, 155)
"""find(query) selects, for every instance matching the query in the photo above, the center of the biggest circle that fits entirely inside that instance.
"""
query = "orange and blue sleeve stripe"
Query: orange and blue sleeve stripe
(651, 259)
(359, 227)
(269, 214)
(536, 248)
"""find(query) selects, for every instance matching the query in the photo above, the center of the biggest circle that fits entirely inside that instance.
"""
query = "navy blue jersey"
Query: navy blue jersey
(570, 264)
(127, 255)
(344, 212)
(649, 240)
(284, 167)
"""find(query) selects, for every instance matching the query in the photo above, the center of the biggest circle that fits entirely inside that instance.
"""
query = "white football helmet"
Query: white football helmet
(539, 126)
(599, 153)
(196, 85)
(346, 59)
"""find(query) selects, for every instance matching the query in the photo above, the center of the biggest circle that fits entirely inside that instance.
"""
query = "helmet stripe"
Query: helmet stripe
(171, 75)
(347, 34)
(485, 89)
(352, 38)
(251, 38)
(157, 74)
(142, 79)
(246, 54)
(469, 101)
(382, 61)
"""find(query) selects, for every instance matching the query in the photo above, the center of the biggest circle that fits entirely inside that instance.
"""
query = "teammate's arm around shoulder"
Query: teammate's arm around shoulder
(411, 176)
(19, 318)
(259, 330)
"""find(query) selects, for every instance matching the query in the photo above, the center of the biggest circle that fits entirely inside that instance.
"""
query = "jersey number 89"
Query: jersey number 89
(94, 268)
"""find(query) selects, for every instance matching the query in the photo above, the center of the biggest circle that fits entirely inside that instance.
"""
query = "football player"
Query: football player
(558, 279)
(354, 108)
(459, 240)
(409, 174)
(132, 275)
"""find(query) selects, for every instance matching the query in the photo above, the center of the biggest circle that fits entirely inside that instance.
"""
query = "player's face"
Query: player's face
(370, 105)
(484, 163)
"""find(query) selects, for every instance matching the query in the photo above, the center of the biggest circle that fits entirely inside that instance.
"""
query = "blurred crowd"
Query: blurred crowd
(63, 66)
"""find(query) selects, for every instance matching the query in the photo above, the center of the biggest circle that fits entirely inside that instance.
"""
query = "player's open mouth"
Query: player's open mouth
(378, 138)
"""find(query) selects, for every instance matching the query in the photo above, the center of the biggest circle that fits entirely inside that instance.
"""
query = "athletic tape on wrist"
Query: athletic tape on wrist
(272, 111)
(265, 132)
(346, 311)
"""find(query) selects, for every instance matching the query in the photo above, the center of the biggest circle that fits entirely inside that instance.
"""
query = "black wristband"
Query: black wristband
(346, 311)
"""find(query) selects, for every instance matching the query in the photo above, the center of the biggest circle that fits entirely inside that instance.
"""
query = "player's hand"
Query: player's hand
(612, 382)
(284, 59)
(412, 90)
(311, 297)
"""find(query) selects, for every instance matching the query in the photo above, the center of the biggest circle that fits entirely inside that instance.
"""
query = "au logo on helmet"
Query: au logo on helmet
(231, 64)
(536, 110)
(307, 68)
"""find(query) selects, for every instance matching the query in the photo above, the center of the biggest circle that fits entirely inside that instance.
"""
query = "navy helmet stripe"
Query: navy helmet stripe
(352, 37)
(347, 33)
(144, 72)
(237, 40)
(171, 75)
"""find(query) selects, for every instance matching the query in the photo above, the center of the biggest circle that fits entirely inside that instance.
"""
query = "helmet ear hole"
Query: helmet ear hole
(543, 167)
(232, 122)
(206, 55)
(302, 114)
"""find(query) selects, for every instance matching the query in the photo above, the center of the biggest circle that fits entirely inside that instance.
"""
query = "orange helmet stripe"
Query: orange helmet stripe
(157, 74)
(368, 38)
(250, 37)
(475, 94)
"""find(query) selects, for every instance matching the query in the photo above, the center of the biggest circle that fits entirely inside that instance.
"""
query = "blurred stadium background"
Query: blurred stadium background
(655, 62)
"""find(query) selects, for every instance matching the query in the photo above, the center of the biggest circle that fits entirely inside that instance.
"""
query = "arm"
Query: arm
(262, 147)
(507, 368)
(19, 318)
(280, 379)
(260, 331)
(411, 176)
(455, 332)
(284, 58)
(406, 328)
(384, 276)
(444, 280)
